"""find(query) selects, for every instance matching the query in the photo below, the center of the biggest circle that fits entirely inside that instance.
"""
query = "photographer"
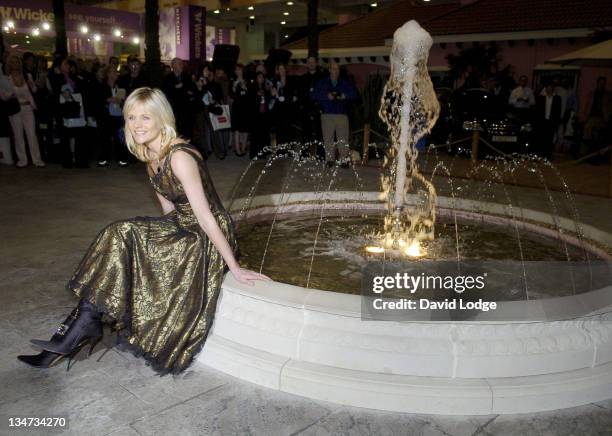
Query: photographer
(333, 94)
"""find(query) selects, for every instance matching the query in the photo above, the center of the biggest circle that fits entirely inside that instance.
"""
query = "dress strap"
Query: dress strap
(189, 148)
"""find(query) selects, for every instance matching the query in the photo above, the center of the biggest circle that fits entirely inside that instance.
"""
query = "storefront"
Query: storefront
(91, 32)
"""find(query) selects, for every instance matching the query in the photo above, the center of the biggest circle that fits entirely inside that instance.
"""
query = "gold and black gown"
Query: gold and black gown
(159, 277)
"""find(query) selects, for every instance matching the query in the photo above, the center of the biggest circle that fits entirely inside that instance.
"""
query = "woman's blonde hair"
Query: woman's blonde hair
(156, 103)
(13, 63)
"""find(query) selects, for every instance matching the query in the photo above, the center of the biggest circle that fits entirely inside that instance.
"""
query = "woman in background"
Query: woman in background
(240, 107)
(24, 119)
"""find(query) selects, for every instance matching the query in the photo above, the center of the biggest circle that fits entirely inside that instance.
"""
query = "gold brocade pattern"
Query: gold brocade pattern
(159, 277)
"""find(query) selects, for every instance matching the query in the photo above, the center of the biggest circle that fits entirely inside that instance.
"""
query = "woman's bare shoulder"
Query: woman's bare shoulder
(183, 162)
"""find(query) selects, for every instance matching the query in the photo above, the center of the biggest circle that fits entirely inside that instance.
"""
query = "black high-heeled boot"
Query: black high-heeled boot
(47, 359)
(86, 328)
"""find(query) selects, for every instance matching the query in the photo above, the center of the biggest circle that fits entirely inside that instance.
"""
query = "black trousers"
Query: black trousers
(111, 144)
(81, 150)
(545, 134)
(260, 134)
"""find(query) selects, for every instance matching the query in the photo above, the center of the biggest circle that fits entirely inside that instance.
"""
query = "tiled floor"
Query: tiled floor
(49, 217)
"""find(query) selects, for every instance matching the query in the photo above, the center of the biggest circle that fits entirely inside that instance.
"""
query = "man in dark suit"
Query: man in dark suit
(548, 117)
(180, 91)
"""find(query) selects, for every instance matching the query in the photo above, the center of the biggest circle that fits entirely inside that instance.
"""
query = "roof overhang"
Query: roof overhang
(508, 36)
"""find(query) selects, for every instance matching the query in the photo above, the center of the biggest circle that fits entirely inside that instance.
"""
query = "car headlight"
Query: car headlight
(471, 125)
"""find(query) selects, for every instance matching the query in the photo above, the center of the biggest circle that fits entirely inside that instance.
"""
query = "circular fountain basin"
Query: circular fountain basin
(315, 343)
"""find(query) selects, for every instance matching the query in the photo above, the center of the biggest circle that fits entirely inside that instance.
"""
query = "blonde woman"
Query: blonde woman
(158, 278)
(24, 119)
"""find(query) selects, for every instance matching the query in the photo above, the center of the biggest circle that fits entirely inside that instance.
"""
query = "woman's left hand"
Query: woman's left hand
(247, 277)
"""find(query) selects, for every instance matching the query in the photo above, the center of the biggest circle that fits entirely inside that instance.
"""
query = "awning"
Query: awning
(598, 55)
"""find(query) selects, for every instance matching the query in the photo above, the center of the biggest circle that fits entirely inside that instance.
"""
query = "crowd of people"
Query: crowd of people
(559, 123)
(259, 105)
(71, 113)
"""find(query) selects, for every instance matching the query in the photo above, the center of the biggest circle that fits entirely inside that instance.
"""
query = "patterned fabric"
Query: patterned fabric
(159, 277)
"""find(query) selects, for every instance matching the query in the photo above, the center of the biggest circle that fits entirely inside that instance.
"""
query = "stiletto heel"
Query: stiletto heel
(94, 342)
(91, 340)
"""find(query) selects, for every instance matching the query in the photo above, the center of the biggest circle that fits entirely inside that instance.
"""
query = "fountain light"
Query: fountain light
(250, 8)
(216, 11)
(285, 13)
(283, 22)
(414, 249)
(374, 249)
(252, 17)
(35, 31)
(10, 24)
(289, 3)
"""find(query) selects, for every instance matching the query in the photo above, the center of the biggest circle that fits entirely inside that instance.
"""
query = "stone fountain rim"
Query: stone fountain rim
(310, 343)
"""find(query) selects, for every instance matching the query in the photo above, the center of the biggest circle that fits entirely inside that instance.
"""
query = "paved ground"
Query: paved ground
(49, 217)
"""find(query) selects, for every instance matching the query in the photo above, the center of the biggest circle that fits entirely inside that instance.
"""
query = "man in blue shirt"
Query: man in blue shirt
(333, 94)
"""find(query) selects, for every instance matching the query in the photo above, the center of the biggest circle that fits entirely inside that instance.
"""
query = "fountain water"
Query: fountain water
(410, 109)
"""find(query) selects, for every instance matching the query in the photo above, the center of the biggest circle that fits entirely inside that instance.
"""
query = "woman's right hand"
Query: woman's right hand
(247, 277)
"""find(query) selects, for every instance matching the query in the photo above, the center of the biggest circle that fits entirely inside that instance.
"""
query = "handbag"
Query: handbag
(70, 109)
(10, 107)
(222, 120)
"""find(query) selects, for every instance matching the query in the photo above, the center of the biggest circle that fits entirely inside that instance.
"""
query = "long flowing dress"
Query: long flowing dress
(159, 278)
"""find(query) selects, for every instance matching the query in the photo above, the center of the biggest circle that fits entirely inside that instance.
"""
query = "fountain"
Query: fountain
(539, 350)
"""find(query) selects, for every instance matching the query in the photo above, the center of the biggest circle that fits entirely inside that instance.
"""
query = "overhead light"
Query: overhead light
(7, 29)
(84, 29)
(250, 8)
(46, 25)
(136, 40)
(373, 5)
(227, 9)
(28, 41)
(289, 3)
(97, 37)
(10, 24)
(27, 36)
(35, 31)
(252, 17)
(117, 33)
(216, 11)
(283, 22)
(285, 13)
(286, 36)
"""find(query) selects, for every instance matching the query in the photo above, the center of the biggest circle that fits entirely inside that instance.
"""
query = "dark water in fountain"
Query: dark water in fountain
(340, 255)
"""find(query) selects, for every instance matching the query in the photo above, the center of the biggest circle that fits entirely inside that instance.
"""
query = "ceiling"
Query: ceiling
(269, 12)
